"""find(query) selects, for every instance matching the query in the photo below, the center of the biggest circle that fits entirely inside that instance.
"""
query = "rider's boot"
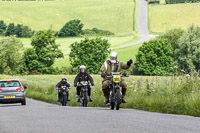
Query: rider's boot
(68, 97)
(58, 98)
(78, 100)
(90, 99)
(123, 95)
(105, 91)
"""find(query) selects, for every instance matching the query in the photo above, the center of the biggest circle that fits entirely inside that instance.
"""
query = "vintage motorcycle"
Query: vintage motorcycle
(64, 95)
(84, 93)
(115, 96)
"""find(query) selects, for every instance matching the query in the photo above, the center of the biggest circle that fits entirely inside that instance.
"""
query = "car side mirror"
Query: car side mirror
(25, 87)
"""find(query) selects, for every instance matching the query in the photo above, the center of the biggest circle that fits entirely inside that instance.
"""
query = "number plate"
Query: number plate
(9, 96)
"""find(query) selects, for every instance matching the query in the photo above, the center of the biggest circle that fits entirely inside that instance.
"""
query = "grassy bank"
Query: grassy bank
(176, 95)
(112, 15)
(170, 16)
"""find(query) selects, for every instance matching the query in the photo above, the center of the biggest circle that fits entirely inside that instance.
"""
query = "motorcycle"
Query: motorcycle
(115, 96)
(63, 95)
(84, 93)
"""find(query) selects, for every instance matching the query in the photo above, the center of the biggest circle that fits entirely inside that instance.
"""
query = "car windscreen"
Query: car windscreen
(10, 84)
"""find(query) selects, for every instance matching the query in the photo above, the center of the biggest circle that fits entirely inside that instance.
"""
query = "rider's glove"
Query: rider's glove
(103, 75)
(92, 84)
(129, 62)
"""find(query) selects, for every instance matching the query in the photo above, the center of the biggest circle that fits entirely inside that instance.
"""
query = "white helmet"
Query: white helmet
(113, 57)
(82, 67)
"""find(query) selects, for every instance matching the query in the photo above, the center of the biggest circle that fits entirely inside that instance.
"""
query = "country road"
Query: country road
(40, 117)
(142, 25)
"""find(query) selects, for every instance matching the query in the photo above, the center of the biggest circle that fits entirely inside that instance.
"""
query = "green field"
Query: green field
(176, 95)
(127, 53)
(113, 15)
(66, 42)
(170, 16)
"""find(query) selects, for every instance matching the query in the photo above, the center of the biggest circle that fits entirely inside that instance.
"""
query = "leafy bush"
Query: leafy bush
(172, 37)
(89, 52)
(2, 27)
(41, 57)
(19, 30)
(187, 55)
(96, 32)
(154, 58)
(11, 56)
(180, 1)
(10, 30)
(71, 28)
(154, 1)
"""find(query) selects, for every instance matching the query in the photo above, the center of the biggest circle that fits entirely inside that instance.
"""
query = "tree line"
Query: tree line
(11, 29)
(72, 28)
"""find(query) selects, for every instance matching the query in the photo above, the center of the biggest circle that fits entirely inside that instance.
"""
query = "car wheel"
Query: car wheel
(23, 102)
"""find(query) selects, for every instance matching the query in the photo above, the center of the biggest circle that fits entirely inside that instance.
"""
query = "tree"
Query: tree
(173, 37)
(2, 27)
(18, 30)
(26, 31)
(10, 30)
(154, 58)
(11, 56)
(44, 52)
(89, 52)
(187, 55)
(71, 28)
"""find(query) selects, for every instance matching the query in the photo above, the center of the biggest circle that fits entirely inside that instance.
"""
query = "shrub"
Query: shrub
(89, 52)
(2, 27)
(43, 54)
(173, 37)
(180, 1)
(154, 58)
(11, 56)
(71, 28)
(96, 32)
(10, 30)
(154, 1)
(187, 54)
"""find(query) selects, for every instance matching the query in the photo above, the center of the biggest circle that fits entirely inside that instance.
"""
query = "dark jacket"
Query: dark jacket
(83, 77)
(59, 84)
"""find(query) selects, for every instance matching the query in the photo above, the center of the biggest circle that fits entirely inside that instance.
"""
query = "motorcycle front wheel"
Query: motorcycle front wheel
(85, 100)
(117, 99)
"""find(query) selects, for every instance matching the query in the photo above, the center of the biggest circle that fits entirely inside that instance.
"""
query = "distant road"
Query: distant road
(40, 117)
(143, 25)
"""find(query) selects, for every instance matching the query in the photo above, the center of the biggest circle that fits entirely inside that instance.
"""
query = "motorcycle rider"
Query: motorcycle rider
(113, 65)
(83, 76)
(63, 82)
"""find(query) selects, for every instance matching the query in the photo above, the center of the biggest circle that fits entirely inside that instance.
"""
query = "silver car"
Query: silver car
(12, 91)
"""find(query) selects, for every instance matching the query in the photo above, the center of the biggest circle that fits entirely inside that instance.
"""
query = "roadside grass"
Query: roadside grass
(170, 16)
(112, 15)
(174, 95)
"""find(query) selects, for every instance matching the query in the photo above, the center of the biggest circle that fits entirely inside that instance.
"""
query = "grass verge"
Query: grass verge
(174, 95)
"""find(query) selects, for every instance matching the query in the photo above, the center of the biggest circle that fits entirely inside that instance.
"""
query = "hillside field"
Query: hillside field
(113, 15)
(170, 16)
